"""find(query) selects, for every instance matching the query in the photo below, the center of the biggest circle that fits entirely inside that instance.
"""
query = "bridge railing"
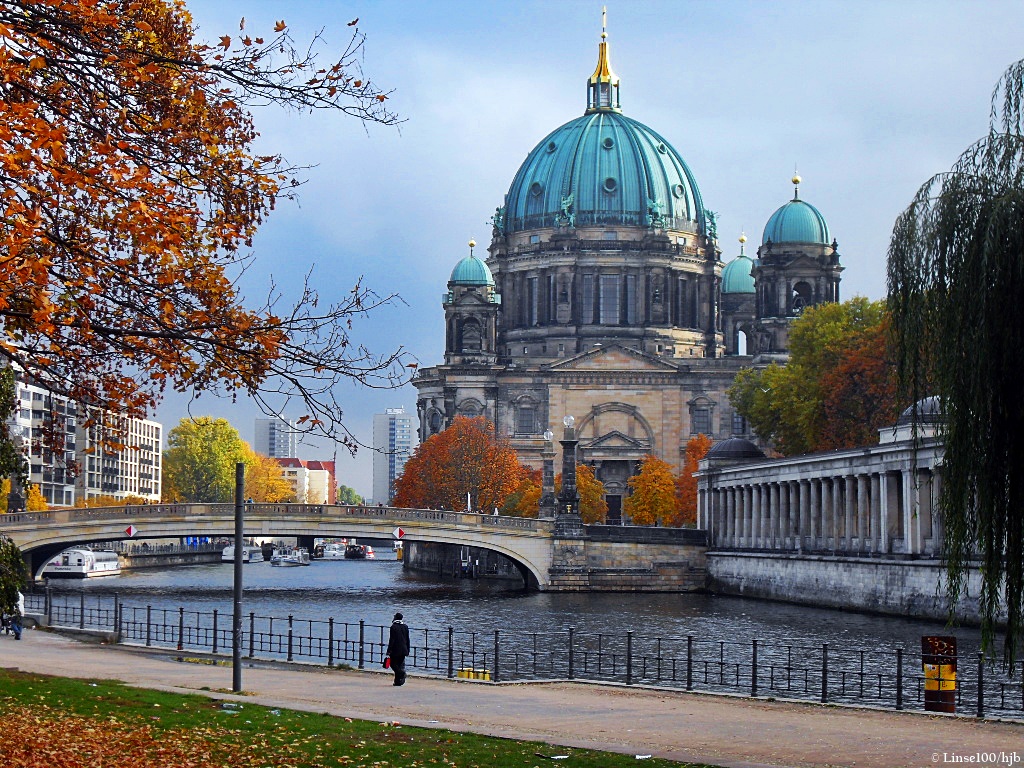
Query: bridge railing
(772, 668)
(333, 511)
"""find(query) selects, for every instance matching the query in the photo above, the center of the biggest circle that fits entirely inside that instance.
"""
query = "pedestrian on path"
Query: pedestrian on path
(398, 648)
(16, 618)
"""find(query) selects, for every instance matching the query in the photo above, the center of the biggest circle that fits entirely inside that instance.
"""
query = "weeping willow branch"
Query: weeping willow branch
(956, 293)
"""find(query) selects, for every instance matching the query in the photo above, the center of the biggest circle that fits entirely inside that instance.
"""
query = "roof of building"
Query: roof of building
(797, 222)
(471, 271)
(603, 169)
(736, 276)
(734, 448)
(926, 411)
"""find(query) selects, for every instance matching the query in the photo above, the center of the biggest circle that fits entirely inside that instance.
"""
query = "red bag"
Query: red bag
(387, 662)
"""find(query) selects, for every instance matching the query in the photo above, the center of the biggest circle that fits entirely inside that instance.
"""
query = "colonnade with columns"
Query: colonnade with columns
(876, 501)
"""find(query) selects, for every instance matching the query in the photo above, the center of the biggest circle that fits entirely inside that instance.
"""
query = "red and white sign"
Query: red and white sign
(398, 533)
(131, 530)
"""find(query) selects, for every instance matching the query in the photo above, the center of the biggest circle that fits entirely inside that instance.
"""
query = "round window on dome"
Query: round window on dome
(662, 148)
(608, 142)
(678, 191)
(552, 147)
(610, 184)
(536, 188)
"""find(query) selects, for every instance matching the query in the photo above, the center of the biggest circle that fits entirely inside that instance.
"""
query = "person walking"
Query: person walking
(19, 611)
(398, 648)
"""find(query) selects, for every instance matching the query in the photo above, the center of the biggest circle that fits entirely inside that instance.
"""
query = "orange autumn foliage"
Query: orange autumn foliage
(652, 500)
(467, 458)
(697, 448)
(128, 186)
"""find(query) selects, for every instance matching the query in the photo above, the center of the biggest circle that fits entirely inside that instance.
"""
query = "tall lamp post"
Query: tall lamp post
(548, 502)
(567, 517)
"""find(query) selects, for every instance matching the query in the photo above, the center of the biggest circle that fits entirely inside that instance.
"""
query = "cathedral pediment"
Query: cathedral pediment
(613, 358)
(615, 440)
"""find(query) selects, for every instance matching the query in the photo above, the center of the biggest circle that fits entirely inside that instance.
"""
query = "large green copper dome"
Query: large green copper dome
(603, 169)
(797, 222)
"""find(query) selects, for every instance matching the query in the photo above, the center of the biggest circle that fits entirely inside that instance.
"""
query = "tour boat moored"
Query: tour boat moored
(83, 564)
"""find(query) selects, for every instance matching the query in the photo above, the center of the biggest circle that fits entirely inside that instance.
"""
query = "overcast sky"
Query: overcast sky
(866, 99)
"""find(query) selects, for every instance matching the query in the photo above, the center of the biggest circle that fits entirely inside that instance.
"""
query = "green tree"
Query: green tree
(199, 463)
(13, 574)
(790, 405)
(956, 283)
(653, 497)
(348, 495)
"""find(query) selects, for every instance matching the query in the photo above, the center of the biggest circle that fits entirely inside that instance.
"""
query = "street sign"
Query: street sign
(398, 533)
(131, 530)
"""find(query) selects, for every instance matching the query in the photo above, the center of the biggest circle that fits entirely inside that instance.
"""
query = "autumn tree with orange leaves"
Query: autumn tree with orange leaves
(593, 507)
(129, 190)
(697, 448)
(467, 459)
(653, 497)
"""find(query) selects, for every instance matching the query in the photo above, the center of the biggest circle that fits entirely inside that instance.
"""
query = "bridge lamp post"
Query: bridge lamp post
(547, 498)
(567, 519)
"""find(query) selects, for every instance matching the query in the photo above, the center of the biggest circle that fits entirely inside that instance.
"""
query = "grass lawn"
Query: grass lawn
(63, 723)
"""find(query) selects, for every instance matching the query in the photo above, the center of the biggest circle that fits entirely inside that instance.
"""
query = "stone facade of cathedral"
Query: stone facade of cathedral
(604, 296)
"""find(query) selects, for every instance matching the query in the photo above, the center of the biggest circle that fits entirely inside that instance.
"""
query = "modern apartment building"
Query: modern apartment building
(65, 460)
(393, 435)
(136, 469)
(276, 438)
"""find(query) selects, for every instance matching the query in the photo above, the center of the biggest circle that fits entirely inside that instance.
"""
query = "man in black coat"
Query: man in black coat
(398, 647)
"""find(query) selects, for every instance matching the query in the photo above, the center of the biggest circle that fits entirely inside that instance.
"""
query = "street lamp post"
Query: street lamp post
(548, 503)
(567, 518)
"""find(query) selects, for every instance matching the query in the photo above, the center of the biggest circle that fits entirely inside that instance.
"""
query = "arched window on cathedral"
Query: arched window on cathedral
(472, 336)
(803, 297)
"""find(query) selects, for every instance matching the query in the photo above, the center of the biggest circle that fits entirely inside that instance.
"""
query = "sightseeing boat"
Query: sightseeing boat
(250, 554)
(355, 551)
(83, 564)
(289, 557)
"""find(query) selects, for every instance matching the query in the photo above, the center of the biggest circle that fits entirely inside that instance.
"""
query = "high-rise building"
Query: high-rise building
(393, 435)
(39, 413)
(276, 438)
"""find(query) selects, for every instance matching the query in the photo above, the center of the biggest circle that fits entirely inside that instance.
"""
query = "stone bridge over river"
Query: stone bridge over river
(550, 555)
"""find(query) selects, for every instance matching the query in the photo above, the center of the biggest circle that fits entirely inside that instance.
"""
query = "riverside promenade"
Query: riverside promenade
(717, 730)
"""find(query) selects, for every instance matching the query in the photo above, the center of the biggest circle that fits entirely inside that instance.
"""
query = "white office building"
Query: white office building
(393, 436)
(276, 438)
(37, 414)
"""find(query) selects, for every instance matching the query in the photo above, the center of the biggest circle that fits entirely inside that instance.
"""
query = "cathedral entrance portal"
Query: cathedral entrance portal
(614, 509)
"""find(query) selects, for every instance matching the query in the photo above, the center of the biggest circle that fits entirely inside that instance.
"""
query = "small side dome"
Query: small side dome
(797, 222)
(471, 271)
(926, 411)
(736, 277)
(734, 448)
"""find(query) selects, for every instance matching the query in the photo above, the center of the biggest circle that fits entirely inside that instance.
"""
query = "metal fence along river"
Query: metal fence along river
(829, 673)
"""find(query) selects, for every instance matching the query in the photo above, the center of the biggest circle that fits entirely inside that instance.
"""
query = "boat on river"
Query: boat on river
(83, 564)
(355, 551)
(334, 551)
(290, 557)
(250, 554)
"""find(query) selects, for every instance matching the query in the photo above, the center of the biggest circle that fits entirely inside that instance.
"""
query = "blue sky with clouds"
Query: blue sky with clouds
(867, 99)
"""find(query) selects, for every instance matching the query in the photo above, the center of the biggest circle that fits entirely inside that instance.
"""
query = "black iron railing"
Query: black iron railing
(761, 668)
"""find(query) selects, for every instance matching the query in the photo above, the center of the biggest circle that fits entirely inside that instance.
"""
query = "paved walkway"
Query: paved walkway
(718, 730)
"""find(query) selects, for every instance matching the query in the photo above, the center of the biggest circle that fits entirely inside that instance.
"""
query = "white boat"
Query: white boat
(83, 564)
(291, 557)
(250, 554)
(370, 554)
(334, 551)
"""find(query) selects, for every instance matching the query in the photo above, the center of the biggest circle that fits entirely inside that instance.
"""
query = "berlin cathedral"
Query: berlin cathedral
(604, 296)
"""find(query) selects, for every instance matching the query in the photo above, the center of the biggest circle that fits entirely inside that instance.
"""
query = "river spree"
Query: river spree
(373, 590)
